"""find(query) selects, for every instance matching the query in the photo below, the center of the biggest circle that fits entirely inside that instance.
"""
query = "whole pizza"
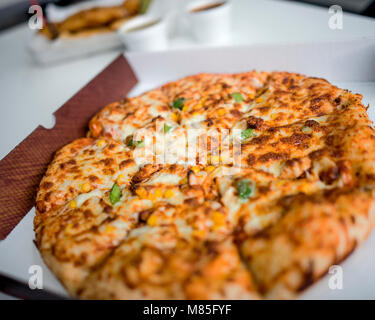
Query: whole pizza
(215, 186)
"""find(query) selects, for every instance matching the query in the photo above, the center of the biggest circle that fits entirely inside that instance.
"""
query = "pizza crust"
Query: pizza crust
(316, 232)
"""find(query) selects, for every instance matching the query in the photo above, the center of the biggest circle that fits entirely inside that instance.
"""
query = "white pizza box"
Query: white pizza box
(46, 51)
(347, 64)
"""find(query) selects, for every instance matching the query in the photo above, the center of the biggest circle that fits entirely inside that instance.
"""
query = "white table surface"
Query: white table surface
(31, 93)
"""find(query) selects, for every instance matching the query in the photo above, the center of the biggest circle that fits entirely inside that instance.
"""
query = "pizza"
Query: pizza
(214, 186)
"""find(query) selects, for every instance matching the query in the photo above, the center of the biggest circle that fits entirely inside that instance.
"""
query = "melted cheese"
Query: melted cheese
(86, 196)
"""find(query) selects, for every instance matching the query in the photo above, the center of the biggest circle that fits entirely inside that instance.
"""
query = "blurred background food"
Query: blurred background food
(94, 13)
(93, 20)
(13, 12)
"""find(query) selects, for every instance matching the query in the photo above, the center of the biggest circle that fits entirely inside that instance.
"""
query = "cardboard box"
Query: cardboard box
(348, 64)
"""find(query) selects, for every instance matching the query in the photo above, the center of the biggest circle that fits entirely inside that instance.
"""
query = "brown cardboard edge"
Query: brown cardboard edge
(22, 169)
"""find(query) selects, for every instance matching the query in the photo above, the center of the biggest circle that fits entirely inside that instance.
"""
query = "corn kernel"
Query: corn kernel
(221, 112)
(151, 197)
(174, 117)
(305, 187)
(141, 192)
(169, 194)
(185, 108)
(68, 228)
(196, 169)
(196, 113)
(215, 159)
(259, 100)
(197, 233)
(251, 96)
(158, 193)
(218, 218)
(73, 204)
(101, 142)
(120, 178)
(279, 183)
(183, 181)
(110, 228)
(86, 187)
(152, 221)
(210, 168)
(216, 227)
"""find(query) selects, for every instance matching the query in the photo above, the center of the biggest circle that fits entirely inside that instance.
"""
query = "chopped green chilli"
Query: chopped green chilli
(306, 130)
(145, 4)
(115, 194)
(140, 144)
(179, 103)
(129, 141)
(248, 133)
(167, 128)
(245, 188)
(237, 97)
